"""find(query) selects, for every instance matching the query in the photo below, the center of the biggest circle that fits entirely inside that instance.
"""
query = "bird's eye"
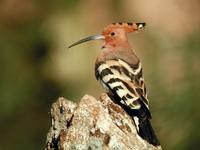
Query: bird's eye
(112, 33)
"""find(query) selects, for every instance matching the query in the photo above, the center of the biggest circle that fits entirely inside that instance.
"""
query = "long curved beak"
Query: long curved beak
(90, 38)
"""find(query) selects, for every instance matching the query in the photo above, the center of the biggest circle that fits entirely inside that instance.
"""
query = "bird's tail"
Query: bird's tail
(146, 131)
(141, 119)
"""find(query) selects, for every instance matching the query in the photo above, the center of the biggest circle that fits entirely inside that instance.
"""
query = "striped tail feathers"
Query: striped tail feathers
(144, 128)
(146, 131)
(141, 119)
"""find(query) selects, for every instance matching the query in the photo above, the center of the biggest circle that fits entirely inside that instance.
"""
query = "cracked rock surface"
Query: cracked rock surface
(92, 124)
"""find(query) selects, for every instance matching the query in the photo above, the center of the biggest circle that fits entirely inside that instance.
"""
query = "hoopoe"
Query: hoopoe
(119, 71)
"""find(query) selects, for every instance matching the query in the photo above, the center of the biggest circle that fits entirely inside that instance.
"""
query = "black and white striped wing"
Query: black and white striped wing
(125, 81)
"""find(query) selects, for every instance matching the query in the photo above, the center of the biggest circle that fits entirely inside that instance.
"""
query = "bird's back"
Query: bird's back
(121, 72)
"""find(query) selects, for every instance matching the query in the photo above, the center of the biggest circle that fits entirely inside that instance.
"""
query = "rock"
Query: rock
(92, 124)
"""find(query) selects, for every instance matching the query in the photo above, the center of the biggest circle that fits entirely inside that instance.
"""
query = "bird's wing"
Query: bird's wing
(125, 81)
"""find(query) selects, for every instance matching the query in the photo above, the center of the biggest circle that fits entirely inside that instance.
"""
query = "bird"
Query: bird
(120, 72)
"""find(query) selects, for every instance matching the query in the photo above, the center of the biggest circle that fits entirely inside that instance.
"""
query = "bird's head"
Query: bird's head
(114, 34)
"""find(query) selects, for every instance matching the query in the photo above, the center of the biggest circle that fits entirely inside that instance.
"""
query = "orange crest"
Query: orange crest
(127, 26)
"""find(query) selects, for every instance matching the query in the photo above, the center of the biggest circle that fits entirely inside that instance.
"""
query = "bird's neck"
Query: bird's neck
(123, 52)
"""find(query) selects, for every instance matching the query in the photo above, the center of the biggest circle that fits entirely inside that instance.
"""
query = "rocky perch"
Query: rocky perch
(92, 124)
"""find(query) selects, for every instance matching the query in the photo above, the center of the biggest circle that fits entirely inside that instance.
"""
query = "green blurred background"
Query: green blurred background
(37, 68)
